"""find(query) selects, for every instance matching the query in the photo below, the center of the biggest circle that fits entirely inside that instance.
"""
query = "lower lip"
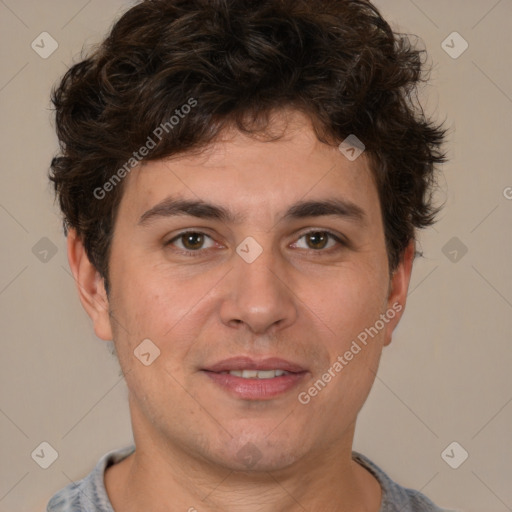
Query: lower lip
(256, 389)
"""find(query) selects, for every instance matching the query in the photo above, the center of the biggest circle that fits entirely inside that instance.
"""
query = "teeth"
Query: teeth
(257, 374)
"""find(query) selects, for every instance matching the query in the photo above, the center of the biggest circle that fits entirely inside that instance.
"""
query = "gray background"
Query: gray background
(444, 378)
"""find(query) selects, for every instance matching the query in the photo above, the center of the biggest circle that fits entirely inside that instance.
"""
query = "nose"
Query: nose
(259, 295)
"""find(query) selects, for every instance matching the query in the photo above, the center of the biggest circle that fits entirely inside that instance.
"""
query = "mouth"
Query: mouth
(256, 374)
(249, 379)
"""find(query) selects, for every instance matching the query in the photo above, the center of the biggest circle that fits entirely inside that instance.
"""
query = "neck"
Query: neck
(162, 476)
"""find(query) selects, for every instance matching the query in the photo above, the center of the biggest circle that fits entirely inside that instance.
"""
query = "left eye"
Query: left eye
(318, 240)
(191, 241)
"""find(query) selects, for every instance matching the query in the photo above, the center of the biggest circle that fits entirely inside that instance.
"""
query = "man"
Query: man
(241, 183)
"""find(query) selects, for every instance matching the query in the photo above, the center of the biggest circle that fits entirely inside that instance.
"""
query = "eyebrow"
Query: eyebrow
(171, 207)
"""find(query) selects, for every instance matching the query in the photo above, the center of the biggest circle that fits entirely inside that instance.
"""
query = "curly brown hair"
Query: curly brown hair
(337, 61)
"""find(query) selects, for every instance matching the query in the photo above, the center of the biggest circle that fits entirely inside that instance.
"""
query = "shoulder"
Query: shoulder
(88, 494)
(396, 498)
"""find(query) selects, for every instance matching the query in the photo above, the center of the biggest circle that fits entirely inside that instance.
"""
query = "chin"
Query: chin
(255, 454)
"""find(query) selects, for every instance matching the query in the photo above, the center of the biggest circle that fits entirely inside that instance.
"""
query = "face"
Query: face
(254, 255)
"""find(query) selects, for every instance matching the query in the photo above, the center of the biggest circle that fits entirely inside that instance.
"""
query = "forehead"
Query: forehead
(254, 177)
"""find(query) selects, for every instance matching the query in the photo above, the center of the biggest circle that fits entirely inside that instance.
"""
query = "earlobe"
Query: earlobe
(399, 288)
(90, 285)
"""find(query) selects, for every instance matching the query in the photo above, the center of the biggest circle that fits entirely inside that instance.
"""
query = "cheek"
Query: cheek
(148, 301)
(350, 303)
(169, 309)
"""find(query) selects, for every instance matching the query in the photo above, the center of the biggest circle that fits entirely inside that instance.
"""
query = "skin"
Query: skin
(299, 300)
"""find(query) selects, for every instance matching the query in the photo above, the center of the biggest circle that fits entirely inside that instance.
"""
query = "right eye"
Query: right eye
(190, 242)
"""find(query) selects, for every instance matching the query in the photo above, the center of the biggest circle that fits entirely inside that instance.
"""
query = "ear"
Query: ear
(90, 285)
(398, 289)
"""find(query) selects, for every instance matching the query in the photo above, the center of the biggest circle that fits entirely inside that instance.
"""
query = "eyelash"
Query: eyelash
(200, 252)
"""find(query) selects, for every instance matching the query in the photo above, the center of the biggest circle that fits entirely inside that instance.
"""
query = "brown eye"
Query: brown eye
(192, 241)
(317, 239)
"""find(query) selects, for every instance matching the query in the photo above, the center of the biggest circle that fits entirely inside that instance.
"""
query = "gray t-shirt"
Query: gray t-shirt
(89, 494)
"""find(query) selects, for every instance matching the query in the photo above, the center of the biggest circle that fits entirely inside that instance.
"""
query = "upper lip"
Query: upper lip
(248, 363)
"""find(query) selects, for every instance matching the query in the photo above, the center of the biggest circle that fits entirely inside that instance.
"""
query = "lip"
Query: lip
(255, 389)
(248, 363)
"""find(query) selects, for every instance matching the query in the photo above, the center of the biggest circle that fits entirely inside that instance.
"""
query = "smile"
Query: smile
(256, 374)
